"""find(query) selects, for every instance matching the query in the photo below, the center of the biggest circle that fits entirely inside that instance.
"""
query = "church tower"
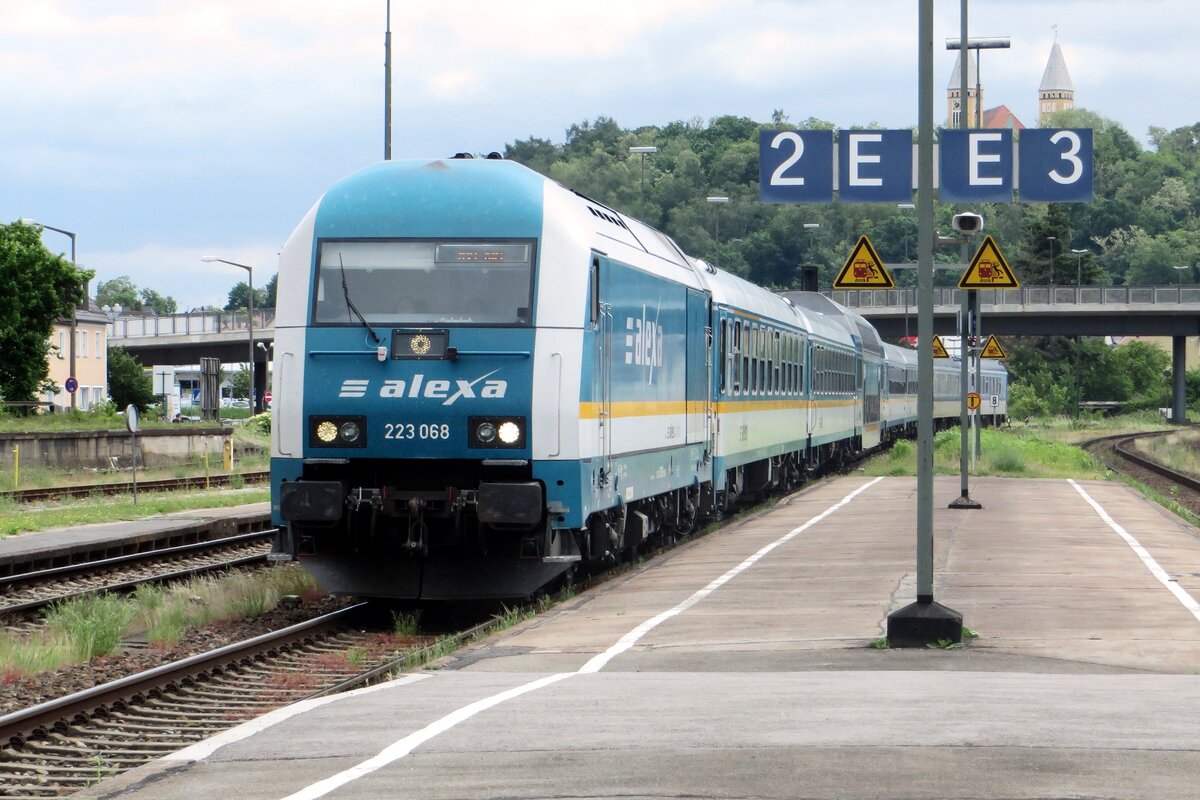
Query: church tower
(954, 104)
(1056, 92)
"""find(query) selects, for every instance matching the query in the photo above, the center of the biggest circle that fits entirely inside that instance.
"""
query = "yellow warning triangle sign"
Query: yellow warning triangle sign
(988, 269)
(939, 349)
(863, 269)
(993, 349)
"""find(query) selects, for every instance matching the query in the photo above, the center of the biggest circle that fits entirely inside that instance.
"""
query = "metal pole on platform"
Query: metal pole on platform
(924, 622)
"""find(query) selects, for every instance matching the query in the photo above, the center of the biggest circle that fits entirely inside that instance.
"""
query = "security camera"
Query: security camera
(968, 224)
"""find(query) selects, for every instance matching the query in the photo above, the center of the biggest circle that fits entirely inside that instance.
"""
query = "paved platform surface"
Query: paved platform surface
(739, 666)
(63, 543)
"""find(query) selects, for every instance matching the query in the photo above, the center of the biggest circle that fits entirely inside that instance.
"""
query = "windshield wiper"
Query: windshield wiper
(350, 303)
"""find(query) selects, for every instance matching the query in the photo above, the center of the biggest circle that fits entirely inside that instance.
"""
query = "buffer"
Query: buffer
(863, 269)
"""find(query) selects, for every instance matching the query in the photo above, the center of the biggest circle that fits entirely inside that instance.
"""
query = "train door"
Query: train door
(601, 313)
(872, 392)
(699, 369)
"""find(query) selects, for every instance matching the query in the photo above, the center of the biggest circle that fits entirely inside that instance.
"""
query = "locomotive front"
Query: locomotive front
(404, 372)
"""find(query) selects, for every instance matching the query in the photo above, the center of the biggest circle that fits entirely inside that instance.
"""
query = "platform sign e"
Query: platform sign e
(795, 166)
(875, 166)
(863, 269)
(1056, 165)
(975, 165)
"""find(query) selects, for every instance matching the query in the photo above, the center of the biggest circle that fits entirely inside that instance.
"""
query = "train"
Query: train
(485, 382)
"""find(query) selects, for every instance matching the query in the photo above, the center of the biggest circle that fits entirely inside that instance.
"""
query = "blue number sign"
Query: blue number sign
(1056, 165)
(875, 166)
(795, 166)
(975, 165)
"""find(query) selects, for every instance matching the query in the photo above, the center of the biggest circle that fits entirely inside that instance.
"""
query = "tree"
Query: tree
(128, 383)
(161, 305)
(269, 293)
(239, 383)
(118, 291)
(39, 288)
(240, 294)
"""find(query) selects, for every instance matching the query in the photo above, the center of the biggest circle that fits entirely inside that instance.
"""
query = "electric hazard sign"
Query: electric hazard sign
(988, 269)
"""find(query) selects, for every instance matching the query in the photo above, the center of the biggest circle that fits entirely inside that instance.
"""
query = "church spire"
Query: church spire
(1056, 93)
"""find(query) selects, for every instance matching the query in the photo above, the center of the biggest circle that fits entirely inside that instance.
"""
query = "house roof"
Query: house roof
(1002, 117)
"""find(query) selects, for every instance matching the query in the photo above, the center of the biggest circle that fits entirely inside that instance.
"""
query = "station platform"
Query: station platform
(56, 547)
(740, 665)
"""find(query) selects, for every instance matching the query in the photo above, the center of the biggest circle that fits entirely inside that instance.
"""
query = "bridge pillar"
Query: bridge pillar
(1179, 382)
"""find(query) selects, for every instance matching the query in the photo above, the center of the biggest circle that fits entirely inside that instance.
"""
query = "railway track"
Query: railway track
(1180, 487)
(126, 487)
(65, 745)
(24, 594)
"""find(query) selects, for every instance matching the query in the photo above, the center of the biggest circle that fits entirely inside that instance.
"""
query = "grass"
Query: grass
(1019, 452)
(1180, 450)
(83, 628)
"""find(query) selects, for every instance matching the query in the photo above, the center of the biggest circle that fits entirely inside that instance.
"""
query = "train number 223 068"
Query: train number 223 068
(409, 430)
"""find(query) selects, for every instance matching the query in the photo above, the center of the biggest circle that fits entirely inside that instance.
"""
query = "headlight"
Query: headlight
(497, 432)
(327, 431)
(510, 432)
(337, 431)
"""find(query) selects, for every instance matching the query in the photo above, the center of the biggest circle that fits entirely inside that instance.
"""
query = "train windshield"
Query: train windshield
(408, 282)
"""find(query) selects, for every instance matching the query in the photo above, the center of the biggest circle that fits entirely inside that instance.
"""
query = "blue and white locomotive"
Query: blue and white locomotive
(484, 379)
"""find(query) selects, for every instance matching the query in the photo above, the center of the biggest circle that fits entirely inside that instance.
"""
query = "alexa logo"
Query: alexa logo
(421, 387)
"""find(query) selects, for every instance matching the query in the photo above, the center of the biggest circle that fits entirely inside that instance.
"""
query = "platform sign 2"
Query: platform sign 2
(975, 166)
(795, 166)
(1056, 165)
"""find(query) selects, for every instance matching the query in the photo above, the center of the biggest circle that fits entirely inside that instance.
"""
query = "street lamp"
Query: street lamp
(1051, 239)
(254, 408)
(1001, 43)
(643, 152)
(1079, 254)
(1180, 271)
(74, 322)
(717, 200)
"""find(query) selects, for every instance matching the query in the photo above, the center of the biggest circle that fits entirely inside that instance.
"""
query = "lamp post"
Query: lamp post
(717, 200)
(249, 323)
(1079, 254)
(1180, 271)
(112, 312)
(643, 152)
(1001, 43)
(74, 322)
(1051, 239)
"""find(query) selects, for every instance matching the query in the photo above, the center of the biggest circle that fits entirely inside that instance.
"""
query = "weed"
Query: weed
(92, 624)
(356, 656)
(945, 644)
(880, 643)
(967, 633)
(404, 624)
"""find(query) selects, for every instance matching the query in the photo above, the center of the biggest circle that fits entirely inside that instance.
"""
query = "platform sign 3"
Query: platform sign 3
(1056, 165)
(863, 269)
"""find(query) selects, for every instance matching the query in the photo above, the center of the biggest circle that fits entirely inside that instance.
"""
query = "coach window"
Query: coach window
(738, 365)
(723, 352)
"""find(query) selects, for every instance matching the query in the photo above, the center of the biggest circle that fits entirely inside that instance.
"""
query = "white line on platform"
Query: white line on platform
(1158, 572)
(403, 747)
(210, 745)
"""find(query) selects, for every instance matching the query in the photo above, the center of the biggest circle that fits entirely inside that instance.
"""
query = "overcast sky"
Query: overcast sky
(162, 130)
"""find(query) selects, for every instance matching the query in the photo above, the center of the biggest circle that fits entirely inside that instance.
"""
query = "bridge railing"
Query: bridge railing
(901, 298)
(193, 323)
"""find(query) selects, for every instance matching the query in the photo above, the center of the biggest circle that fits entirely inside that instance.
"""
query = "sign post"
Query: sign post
(131, 422)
